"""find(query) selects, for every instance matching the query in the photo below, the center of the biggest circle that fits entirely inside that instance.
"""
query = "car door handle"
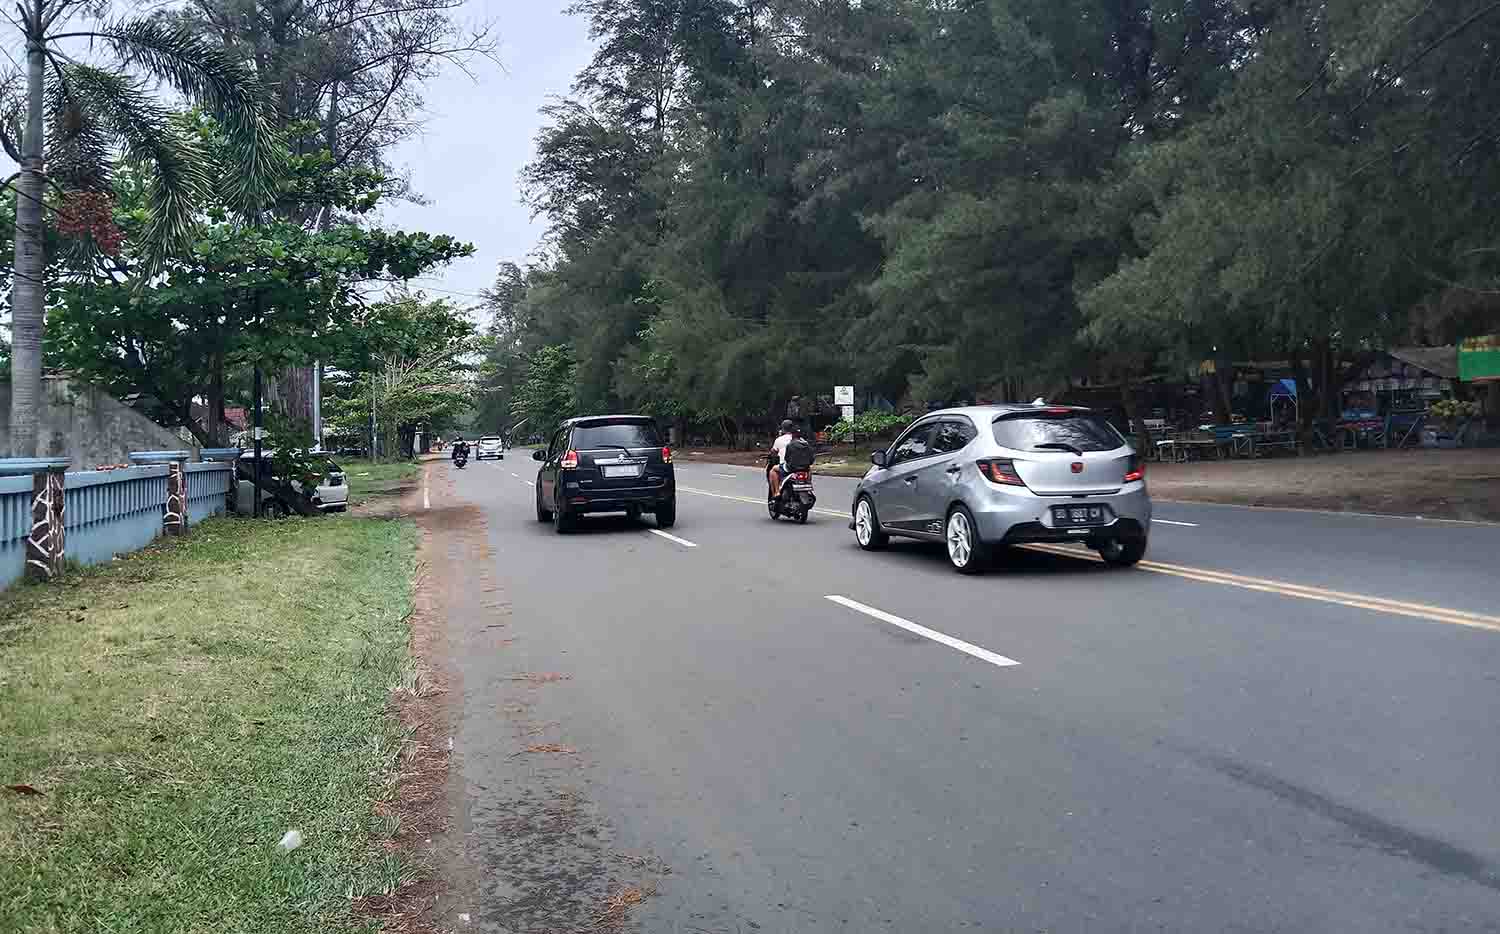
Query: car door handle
(909, 481)
(954, 469)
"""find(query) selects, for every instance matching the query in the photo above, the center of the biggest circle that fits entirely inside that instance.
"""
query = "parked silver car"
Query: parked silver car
(982, 476)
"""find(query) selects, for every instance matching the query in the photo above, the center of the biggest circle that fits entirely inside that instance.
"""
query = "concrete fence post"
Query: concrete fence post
(46, 538)
(174, 513)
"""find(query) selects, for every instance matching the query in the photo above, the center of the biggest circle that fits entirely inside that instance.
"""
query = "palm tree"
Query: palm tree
(76, 119)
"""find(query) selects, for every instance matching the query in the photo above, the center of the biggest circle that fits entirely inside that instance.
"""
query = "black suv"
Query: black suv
(605, 463)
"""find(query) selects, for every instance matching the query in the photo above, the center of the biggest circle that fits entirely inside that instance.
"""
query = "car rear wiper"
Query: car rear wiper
(1057, 446)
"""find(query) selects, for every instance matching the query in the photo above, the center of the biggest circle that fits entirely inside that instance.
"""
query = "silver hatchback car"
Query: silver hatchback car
(982, 476)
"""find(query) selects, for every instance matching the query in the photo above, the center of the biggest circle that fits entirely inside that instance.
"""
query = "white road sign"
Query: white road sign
(848, 413)
(843, 395)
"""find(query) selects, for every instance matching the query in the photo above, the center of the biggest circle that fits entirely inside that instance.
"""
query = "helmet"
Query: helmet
(788, 425)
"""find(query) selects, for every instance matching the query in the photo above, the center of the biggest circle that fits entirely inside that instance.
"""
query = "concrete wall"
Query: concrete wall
(88, 426)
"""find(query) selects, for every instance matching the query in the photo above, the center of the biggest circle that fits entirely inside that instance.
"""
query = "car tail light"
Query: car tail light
(1135, 469)
(569, 461)
(666, 455)
(1002, 471)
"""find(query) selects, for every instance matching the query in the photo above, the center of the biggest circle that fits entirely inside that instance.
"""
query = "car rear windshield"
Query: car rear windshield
(614, 435)
(1078, 431)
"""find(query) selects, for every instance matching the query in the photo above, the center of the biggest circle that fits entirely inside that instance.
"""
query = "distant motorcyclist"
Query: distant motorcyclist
(459, 444)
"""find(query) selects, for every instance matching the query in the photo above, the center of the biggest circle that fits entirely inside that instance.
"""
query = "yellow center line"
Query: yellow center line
(1425, 611)
(1301, 591)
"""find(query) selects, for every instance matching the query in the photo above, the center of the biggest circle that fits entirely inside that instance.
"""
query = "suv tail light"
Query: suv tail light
(1000, 470)
(666, 455)
(569, 461)
(1135, 469)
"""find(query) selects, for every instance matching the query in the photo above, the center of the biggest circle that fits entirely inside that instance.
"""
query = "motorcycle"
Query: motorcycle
(795, 500)
(460, 458)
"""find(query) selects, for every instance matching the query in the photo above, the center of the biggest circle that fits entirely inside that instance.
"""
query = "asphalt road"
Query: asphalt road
(1280, 721)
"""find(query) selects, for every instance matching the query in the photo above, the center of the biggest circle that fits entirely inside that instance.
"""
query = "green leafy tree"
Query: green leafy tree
(273, 294)
(548, 392)
(418, 358)
(67, 119)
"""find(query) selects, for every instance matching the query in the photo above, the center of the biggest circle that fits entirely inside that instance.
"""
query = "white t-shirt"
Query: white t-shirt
(779, 446)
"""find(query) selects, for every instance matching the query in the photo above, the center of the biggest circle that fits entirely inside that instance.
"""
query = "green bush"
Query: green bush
(868, 425)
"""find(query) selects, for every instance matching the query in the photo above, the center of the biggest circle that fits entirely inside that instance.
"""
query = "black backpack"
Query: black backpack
(799, 455)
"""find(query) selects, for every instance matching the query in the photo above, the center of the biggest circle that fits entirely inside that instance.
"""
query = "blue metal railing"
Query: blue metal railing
(15, 521)
(113, 512)
(107, 512)
(207, 490)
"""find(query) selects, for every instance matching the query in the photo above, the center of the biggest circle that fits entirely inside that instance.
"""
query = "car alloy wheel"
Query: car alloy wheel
(965, 551)
(864, 523)
(960, 540)
(867, 532)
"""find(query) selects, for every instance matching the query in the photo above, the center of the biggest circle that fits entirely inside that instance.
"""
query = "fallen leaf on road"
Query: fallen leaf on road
(558, 748)
(535, 678)
(24, 790)
(621, 902)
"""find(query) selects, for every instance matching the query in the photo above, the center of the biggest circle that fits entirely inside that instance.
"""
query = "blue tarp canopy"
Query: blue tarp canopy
(1284, 389)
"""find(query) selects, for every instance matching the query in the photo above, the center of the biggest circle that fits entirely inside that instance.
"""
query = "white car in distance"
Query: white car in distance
(489, 446)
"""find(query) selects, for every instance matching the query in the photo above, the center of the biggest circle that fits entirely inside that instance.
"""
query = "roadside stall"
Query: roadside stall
(1385, 403)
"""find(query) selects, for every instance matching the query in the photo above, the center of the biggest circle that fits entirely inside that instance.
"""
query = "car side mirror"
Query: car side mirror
(877, 458)
(538, 455)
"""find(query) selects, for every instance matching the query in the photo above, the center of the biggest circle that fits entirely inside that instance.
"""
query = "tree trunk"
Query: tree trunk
(27, 291)
(1330, 384)
(215, 427)
(1223, 389)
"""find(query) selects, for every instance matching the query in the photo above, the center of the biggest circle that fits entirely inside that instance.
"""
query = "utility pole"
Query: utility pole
(317, 405)
(255, 439)
(372, 417)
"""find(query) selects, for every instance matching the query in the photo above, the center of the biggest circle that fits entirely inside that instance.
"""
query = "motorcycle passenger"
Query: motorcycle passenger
(776, 470)
(459, 444)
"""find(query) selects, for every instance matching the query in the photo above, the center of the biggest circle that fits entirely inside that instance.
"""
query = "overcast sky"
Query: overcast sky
(480, 133)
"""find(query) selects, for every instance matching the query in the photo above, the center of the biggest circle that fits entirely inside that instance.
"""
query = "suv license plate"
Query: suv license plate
(629, 470)
(1069, 516)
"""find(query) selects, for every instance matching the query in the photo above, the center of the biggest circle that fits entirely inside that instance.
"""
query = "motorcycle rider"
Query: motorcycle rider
(776, 469)
(459, 444)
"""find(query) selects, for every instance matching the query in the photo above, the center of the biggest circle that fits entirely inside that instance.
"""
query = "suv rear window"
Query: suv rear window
(617, 434)
(1081, 431)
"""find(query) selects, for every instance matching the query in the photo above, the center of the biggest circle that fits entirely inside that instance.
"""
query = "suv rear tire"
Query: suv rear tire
(1122, 552)
(562, 523)
(666, 513)
(966, 552)
(542, 515)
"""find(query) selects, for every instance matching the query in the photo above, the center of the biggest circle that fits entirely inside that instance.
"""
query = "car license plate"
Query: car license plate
(1079, 515)
(628, 470)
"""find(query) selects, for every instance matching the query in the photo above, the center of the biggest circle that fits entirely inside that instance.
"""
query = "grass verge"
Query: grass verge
(183, 708)
(368, 478)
